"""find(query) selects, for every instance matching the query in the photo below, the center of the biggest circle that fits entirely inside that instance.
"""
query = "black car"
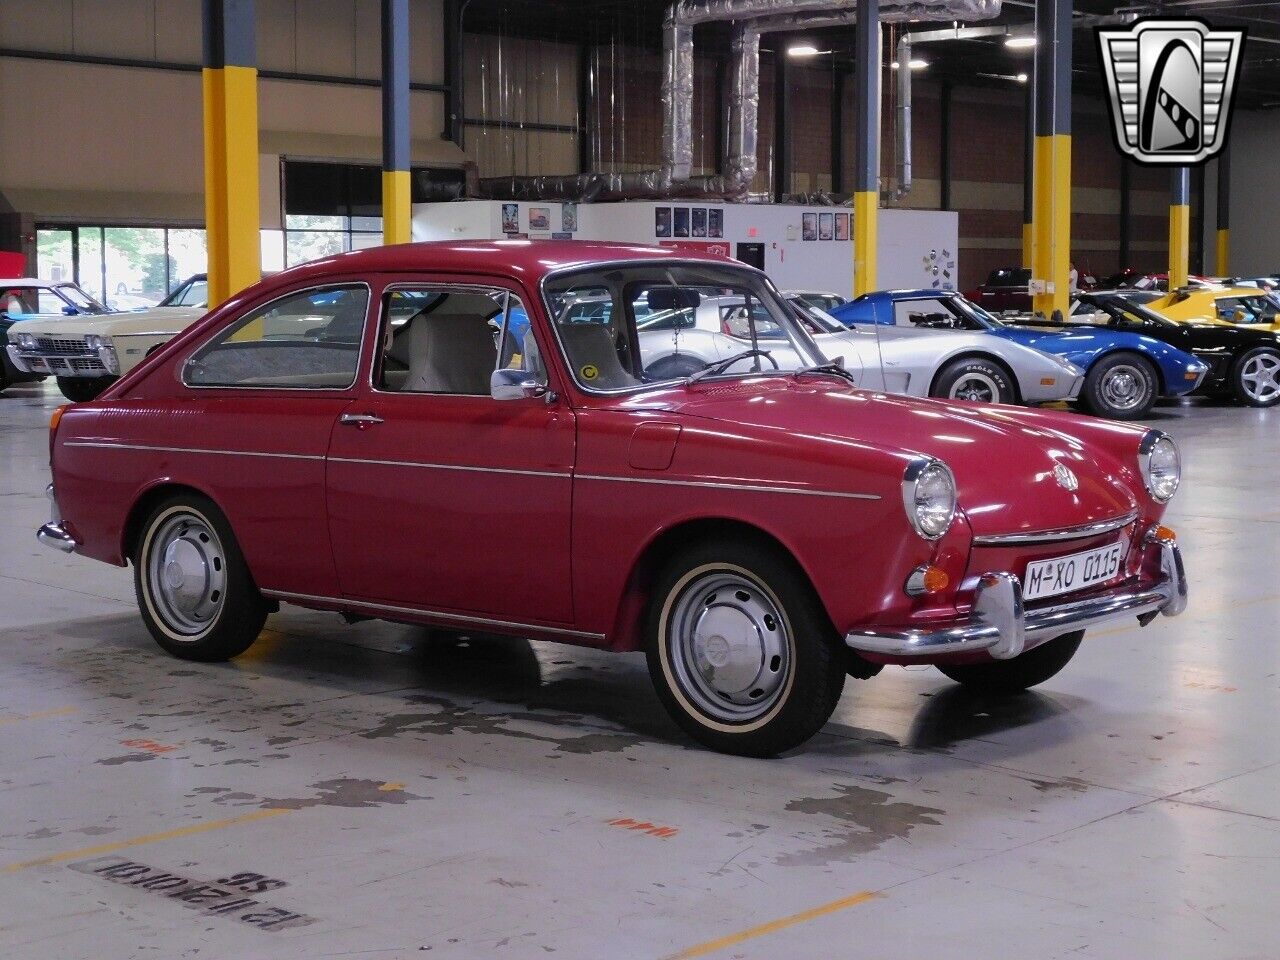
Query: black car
(1243, 363)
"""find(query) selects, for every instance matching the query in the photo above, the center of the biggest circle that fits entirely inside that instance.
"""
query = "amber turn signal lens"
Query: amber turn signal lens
(1048, 381)
(57, 417)
(935, 579)
(1164, 533)
(1190, 376)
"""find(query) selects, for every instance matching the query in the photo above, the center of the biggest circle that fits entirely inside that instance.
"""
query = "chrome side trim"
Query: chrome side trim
(221, 453)
(422, 612)
(450, 466)
(1000, 624)
(748, 487)
(1062, 533)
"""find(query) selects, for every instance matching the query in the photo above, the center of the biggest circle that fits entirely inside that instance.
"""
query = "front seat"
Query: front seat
(450, 353)
(590, 348)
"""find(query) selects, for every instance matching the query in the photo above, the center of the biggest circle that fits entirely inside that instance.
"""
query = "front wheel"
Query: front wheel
(741, 652)
(194, 589)
(1023, 671)
(83, 389)
(1255, 379)
(1122, 386)
(977, 379)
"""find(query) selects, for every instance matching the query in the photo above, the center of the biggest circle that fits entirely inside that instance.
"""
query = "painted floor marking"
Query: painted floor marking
(84, 852)
(773, 926)
(38, 715)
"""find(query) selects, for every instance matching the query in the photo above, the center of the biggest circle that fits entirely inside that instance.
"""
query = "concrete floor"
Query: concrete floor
(369, 791)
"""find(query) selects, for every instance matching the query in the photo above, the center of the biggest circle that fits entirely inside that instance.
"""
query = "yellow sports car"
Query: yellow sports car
(1246, 306)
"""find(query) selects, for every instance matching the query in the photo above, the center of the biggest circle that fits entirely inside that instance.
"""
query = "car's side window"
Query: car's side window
(450, 340)
(305, 340)
(923, 313)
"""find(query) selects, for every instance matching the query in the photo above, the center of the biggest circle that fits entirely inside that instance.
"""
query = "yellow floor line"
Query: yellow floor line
(773, 926)
(138, 841)
(39, 715)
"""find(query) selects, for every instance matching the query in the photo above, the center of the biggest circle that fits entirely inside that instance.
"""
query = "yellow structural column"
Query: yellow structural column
(1222, 262)
(1222, 259)
(1180, 228)
(1051, 229)
(230, 83)
(397, 207)
(866, 210)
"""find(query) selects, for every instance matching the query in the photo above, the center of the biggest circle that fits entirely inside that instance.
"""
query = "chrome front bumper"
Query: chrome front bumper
(54, 534)
(1000, 624)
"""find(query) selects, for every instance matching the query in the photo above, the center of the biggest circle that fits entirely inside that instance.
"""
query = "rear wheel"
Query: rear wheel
(1023, 671)
(741, 652)
(83, 389)
(977, 379)
(194, 590)
(1122, 386)
(1255, 379)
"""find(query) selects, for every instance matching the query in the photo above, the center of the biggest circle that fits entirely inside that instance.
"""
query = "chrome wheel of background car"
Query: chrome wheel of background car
(187, 572)
(729, 647)
(1124, 387)
(1260, 377)
(975, 385)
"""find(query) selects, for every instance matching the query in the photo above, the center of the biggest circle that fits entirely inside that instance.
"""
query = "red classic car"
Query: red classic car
(368, 434)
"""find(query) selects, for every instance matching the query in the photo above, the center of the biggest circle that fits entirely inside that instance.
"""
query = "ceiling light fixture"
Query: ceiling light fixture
(1021, 78)
(914, 64)
(1020, 41)
(802, 50)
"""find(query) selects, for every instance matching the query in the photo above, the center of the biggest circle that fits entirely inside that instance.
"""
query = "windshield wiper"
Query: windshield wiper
(721, 365)
(835, 367)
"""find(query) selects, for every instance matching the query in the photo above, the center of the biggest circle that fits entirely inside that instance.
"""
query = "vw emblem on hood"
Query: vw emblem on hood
(1066, 479)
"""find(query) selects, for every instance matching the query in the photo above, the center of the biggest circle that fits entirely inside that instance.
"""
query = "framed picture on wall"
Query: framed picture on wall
(662, 221)
(680, 226)
(715, 222)
(539, 218)
(568, 217)
(511, 218)
(826, 226)
(699, 218)
(809, 226)
(842, 226)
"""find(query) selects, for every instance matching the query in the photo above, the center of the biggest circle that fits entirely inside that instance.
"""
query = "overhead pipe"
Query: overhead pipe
(752, 18)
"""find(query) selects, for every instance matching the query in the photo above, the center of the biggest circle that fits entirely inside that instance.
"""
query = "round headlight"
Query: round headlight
(929, 495)
(105, 350)
(1160, 465)
(25, 341)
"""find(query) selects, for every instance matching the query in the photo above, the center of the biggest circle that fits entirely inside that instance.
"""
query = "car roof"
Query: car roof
(531, 259)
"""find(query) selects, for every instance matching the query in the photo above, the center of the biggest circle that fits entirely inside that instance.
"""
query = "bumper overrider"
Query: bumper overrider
(54, 534)
(999, 623)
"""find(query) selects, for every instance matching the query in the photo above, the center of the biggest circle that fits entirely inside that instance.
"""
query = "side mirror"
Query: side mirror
(515, 385)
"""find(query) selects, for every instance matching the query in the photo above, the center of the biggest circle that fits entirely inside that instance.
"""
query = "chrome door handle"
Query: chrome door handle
(359, 419)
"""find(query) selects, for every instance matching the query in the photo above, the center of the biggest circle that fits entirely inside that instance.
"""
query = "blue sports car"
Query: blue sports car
(1124, 372)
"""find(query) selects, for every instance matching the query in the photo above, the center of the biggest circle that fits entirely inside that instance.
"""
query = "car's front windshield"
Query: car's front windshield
(1125, 308)
(966, 307)
(79, 299)
(193, 293)
(631, 326)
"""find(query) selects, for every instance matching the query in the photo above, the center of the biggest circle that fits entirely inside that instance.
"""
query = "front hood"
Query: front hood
(161, 320)
(1003, 458)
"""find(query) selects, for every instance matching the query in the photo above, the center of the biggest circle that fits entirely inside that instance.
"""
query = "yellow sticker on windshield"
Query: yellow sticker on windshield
(590, 371)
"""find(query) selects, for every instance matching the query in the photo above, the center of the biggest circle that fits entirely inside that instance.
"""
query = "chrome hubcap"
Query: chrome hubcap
(976, 386)
(1261, 377)
(729, 647)
(188, 573)
(1124, 387)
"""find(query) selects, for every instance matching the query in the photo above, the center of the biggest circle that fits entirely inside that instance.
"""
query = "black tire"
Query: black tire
(975, 378)
(233, 616)
(1251, 392)
(1020, 673)
(807, 677)
(1121, 386)
(83, 389)
(679, 365)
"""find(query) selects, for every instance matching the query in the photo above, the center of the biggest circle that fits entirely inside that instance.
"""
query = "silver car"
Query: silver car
(956, 364)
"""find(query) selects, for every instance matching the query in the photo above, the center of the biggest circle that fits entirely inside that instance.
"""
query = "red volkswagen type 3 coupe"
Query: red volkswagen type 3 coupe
(465, 435)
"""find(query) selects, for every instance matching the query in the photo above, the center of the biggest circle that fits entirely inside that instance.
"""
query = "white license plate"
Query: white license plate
(1048, 578)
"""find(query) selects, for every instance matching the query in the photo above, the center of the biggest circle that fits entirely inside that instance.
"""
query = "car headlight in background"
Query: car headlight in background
(1160, 465)
(105, 351)
(25, 341)
(929, 495)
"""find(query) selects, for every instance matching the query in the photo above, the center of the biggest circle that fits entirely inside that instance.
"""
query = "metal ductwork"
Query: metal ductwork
(752, 18)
